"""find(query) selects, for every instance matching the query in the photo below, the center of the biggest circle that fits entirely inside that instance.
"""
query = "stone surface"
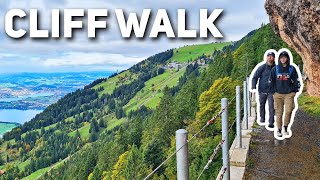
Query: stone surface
(238, 156)
(298, 24)
(293, 158)
(236, 173)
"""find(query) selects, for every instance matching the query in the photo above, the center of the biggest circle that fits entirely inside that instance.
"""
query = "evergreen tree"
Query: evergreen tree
(93, 136)
(77, 134)
(135, 168)
(101, 123)
(186, 102)
(94, 126)
(1, 161)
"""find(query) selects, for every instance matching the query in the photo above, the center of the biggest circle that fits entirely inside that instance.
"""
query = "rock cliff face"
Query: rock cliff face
(298, 24)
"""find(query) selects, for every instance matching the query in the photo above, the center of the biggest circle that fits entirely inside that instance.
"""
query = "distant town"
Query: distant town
(34, 91)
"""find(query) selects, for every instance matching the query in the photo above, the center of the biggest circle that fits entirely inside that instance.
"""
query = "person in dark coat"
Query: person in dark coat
(284, 84)
(262, 75)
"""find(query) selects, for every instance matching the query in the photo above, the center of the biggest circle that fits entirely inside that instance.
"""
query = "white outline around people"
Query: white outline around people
(255, 91)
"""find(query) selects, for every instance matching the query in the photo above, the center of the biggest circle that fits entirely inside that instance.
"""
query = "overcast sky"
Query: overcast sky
(111, 52)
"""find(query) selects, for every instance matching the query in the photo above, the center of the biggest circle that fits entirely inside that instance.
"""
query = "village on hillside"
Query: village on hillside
(178, 65)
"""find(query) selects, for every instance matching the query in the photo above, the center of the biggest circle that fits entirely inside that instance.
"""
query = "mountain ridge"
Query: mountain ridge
(144, 136)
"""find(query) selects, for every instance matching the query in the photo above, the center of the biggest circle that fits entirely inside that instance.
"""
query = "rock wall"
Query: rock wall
(297, 22)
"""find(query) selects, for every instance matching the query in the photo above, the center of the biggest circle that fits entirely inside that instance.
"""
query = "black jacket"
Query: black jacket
(284, 82)
(262, 73)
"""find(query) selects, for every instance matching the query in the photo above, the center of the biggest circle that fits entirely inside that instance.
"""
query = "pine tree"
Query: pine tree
(94, 126)
(186, 102)
(101, 123)
(93, 136)
(77, 134)
(135, 167)
(165, 116)
(1, 161)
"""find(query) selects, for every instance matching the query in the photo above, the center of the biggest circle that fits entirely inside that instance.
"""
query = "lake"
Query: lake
(37, 90)
(17, 116)
(25, 97)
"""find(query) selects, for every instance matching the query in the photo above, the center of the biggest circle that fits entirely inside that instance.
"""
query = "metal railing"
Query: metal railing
(182, 137)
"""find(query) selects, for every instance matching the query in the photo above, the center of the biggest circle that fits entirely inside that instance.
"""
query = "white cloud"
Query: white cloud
(7, 55)
(89, 59)
(239, 18)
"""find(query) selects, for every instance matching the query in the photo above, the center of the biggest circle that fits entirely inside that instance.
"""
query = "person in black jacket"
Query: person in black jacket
(284, 84)
(262, 74)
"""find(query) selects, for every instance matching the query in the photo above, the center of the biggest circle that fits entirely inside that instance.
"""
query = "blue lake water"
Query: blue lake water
(18, 116)
(24, 97)
(54, 85)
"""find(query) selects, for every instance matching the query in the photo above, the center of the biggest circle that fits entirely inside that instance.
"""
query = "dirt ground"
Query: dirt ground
(294, 158)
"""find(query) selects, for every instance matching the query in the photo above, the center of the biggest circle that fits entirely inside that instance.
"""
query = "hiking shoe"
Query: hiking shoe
(279, 134)
(271, 126)
(286, 133)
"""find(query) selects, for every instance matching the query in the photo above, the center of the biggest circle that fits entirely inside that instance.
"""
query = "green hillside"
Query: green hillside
(192, 52)
(123, 78)
(310, 104)
(81, 117)
(151, 94)
(123, 126)
(4, 127)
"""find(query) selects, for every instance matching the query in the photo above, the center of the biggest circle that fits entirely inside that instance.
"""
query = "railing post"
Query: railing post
(182, 155)
(245, 106)
(238, 115)
(249, 99)
(225, 138)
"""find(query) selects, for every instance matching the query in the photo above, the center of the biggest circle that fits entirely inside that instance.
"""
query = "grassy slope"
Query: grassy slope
(173, 81)
(112, 83)
(111, 121)
(84, 131)
(183, 54)
(41, 172)
(37, 174)
(109, 86)
(310, 104)
(147, 96)
(151, 94)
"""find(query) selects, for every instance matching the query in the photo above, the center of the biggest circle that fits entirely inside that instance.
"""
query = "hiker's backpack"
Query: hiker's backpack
(290, 70)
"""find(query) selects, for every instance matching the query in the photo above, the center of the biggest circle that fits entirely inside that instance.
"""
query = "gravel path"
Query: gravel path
(294, 158)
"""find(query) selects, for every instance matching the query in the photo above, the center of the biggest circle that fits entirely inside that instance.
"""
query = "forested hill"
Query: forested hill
(123, 126)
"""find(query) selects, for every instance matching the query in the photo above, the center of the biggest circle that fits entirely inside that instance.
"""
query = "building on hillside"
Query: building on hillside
(201, 62)
(174, 65)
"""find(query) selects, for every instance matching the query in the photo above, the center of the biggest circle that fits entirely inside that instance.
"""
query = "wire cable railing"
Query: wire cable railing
(212, 120)
(216, 150)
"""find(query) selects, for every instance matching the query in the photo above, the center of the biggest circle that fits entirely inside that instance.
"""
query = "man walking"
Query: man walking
(262, 74)
(284, 84)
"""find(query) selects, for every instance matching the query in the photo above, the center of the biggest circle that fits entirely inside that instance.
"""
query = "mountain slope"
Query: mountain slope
(123, 127)
(193, 52)
(80, 117)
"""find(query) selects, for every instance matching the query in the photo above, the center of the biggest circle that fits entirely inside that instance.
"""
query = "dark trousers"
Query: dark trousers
(263, 97)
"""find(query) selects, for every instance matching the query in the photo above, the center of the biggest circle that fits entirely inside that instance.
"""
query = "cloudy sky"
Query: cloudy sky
(111, 52)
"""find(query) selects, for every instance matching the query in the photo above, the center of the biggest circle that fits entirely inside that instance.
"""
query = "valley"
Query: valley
(149, 96)
(122, 127)
(23, 95)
